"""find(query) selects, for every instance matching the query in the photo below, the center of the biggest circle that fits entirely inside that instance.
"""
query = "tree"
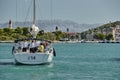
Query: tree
(41, 32)
(59, 35)
(19, 30)
(83, 35)
(25, 31)
(8, 31)
(77, 36)
(109, 37)
(1, 31)
(67, 29)
(99, 36)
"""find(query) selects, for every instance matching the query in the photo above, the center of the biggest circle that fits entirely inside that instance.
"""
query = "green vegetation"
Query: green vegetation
(103, 32)
(19, 33)
(7, 34)
(12, 34)
(99, 36)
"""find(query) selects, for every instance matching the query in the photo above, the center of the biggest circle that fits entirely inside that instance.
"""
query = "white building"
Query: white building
(117, 33)
(89, 37)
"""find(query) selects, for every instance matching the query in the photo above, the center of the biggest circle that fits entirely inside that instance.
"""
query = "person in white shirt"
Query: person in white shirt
(25, 46)
(32, 46)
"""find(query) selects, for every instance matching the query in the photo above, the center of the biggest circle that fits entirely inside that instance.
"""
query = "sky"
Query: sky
(79, 11)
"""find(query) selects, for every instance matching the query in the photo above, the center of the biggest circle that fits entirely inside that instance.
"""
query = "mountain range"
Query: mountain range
(50, 25)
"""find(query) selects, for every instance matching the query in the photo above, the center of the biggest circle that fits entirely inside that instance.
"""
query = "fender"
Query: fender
(13, 48)
(54, 52)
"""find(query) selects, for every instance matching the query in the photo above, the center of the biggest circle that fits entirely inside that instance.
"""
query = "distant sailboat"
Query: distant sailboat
(32, 55)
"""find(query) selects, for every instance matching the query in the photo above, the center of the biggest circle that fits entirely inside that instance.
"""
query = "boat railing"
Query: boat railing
(18, 50)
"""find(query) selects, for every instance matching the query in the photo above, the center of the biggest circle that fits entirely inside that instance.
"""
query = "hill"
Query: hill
(102, 32)
(108, 25)
(49, 25)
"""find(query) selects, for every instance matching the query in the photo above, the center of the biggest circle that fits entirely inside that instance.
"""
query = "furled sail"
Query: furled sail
(34, 30)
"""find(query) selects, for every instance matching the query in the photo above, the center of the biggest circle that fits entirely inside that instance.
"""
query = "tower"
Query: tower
(10, 24)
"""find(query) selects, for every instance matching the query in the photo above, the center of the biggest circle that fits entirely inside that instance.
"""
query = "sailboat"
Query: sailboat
(27, 56)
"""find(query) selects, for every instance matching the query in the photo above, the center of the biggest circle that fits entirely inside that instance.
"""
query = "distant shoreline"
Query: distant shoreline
(71, 41)
(6, 41)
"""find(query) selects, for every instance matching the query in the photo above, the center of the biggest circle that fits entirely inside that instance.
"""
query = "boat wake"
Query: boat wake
(115, 59)
(6, 61)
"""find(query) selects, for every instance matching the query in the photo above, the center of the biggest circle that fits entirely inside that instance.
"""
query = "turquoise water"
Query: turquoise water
(75, 61)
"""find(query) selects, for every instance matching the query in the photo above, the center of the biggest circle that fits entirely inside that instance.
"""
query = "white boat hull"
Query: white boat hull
(33, 58)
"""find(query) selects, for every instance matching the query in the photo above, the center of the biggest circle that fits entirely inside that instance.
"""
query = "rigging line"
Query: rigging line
(16, 12)
(51, 12)
(37, 3)
(27, 13)
(51, 9)
(34, 12)
(40, 10)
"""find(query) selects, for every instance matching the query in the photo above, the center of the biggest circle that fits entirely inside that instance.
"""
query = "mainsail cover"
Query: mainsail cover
(34, 30)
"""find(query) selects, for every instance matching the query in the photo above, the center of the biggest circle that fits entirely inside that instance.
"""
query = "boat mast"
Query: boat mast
(34, 12)
(34, 29)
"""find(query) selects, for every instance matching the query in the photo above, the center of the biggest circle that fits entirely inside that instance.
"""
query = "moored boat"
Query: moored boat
(31, 54)
(35, 56)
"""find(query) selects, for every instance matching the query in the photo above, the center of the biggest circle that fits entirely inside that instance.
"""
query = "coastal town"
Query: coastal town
(107, 33)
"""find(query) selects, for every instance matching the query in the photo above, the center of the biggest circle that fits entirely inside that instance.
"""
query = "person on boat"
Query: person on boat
(15, 48)
(37, 43)
(41, 47)
(48, 47)
(45, 44)
(25, 46)
(32, 46)
(20, 47)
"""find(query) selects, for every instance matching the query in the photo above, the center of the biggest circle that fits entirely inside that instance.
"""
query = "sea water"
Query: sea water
(74, 61)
